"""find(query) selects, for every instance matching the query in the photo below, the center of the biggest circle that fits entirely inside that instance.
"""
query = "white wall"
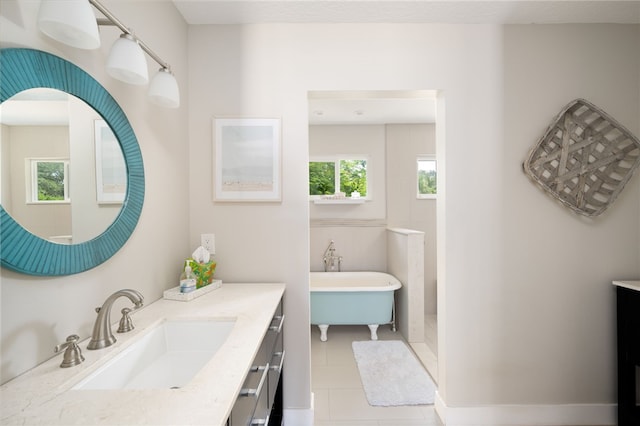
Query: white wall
(556, 262)
(405, 142)
(362, 247)
(238, 72)
(38, 313)
(510, 318)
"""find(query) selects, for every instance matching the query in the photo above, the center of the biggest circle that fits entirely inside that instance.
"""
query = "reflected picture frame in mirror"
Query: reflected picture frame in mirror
(110, 168)
(24, 252)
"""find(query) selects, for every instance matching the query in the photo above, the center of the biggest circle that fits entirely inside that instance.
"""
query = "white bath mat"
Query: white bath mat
(392, 375)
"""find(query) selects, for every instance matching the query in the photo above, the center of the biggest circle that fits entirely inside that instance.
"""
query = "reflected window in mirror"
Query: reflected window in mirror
(49, 180)
(341, 174)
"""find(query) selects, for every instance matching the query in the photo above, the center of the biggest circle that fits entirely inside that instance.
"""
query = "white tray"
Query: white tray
(174, 293)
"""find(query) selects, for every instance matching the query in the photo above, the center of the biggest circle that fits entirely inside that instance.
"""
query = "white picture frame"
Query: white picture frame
(111, 169)
(247, 160)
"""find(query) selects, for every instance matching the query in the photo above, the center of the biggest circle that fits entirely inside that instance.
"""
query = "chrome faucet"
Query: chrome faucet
(329, 258)
(102, 335)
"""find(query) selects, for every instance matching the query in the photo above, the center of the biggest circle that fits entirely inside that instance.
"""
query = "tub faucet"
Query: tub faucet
(329, 258)
(102, 335)
(330, 249)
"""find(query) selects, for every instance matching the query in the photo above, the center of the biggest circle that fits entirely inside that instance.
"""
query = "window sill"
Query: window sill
(339, 201)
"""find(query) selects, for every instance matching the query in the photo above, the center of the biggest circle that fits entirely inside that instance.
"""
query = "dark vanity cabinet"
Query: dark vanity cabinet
(260, 400)
(628, 324)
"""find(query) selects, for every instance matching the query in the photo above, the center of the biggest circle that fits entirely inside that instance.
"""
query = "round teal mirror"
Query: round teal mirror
(22, 251)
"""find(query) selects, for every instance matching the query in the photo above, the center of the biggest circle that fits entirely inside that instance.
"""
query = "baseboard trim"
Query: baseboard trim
(527, 415)
(298, 416)
(440, 407)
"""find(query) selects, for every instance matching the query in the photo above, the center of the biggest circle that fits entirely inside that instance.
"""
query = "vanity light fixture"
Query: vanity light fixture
(73, 23)
(164, 90)
(126, 61)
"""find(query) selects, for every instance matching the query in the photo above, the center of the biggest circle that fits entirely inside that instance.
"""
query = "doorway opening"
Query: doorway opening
(396, 131)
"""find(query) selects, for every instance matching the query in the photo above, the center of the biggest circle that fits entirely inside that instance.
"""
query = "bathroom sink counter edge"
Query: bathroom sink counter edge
(44, 394)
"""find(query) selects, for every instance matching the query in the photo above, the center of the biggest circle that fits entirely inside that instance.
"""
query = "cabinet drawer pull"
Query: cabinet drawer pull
(278, 328)
(256, 392)
(278, 368)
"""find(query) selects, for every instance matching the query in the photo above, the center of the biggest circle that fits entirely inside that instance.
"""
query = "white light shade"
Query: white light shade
(164, 90)
(127, 62)
(71, 22)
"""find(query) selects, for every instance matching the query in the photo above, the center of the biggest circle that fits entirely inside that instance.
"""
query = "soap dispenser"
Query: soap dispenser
(187, 279)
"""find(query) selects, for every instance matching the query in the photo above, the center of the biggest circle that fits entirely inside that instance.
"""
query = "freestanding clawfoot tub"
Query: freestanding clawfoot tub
(349, 298)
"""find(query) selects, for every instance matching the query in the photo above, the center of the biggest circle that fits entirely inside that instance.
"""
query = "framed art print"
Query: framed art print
(247, 160)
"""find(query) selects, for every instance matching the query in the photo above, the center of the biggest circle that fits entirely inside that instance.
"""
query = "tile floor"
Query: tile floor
(338, 393)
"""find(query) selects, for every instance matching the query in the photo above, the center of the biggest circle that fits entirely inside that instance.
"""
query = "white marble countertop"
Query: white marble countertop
(631, 285)
(43, 395)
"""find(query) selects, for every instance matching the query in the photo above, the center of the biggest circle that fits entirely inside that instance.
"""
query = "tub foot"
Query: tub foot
(374, 331)
(323, 332)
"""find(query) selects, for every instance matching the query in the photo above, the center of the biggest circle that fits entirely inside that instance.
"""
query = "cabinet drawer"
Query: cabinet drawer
(254, 389)
(254, 403)
(263, 409)
(275, 371)
(273, 332)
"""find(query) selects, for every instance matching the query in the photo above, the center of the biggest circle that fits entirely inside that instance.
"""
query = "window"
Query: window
(49, 181)
(427, 177)
(347, 174)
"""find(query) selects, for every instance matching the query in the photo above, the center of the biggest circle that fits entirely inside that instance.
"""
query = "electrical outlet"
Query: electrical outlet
(208, 241)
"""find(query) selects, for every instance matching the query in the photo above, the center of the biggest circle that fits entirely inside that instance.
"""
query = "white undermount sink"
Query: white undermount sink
(168, 356)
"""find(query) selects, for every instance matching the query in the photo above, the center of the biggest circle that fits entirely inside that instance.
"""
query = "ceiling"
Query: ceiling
(397, 107)
(372, 107)
(36, 107)
(198, 12)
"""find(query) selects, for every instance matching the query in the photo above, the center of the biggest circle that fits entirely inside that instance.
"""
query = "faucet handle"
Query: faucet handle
(72, 354)
(126, 324)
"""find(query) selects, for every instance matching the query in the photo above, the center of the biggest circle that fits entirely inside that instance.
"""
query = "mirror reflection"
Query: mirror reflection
(63, 174)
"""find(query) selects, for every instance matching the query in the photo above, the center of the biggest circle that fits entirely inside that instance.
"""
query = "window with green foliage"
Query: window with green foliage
(322, 177)
(347, 174)
(49, 181)
(427, 177)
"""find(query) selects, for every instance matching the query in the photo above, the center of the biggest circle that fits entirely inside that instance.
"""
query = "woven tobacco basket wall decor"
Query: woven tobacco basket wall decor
(584, 159)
